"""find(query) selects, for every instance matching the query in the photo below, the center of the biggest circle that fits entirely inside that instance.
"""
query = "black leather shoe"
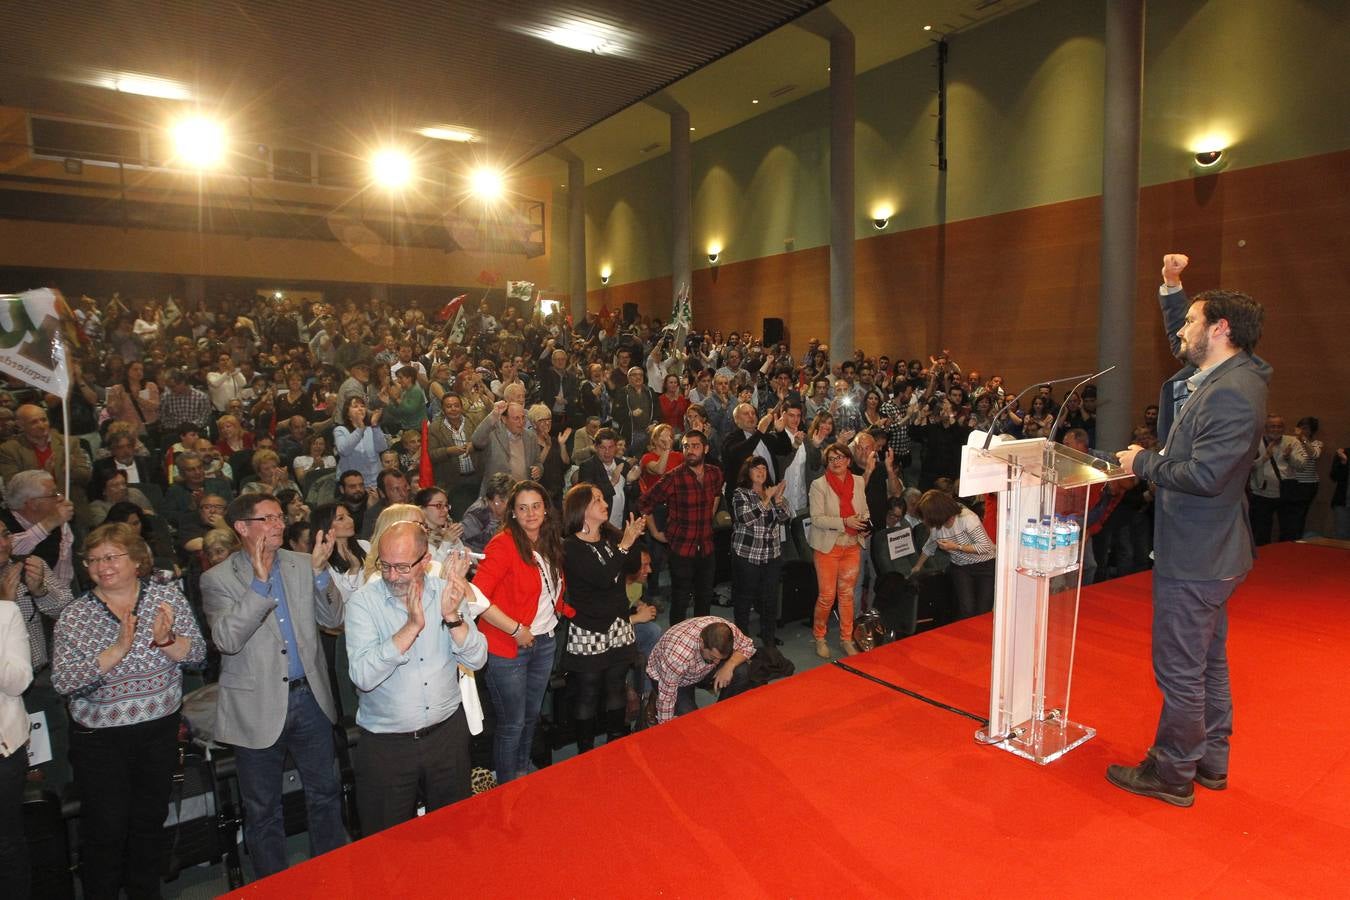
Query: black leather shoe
(1214, 781)
(1143, 780)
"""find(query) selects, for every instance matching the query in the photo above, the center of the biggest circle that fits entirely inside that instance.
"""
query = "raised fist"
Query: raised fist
(1173, 264)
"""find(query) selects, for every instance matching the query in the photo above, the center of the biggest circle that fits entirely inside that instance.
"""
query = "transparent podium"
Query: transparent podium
(1045, 492)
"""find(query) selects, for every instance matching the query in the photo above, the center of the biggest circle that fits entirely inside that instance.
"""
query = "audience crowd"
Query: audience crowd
(296, 501)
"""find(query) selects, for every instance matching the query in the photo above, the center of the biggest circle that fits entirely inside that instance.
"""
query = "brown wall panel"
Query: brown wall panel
(1017, 293)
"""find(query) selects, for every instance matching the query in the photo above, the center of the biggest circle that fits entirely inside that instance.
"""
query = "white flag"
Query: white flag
(681, 316)
(520, 292)
(32, 346)
(457, 330)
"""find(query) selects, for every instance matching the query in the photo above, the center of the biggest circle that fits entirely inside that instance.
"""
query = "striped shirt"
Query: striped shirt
(146, 684)
(966, 531)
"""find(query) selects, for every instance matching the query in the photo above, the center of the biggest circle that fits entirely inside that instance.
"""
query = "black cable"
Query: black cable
(908, 693)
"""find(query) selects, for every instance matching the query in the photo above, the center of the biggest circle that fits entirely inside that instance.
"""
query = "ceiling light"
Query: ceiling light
(599, 169)
(198, 143)
(391, 169)
(928, 28)
(692, 128)
(754, 101)
(584, 36)
(144, 85)
(487, 184)
(448, 133)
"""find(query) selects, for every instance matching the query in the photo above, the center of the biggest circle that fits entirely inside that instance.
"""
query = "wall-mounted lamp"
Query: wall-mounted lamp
(1207, 159)
(881, 215)
(714, 253)
(880, 222)
(604, 274)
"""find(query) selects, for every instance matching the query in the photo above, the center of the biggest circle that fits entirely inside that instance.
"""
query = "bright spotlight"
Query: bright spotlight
(198, 142)
(487, 184)
(392, 169)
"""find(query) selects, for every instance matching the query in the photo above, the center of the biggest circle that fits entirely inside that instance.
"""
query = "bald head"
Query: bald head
(515, 418)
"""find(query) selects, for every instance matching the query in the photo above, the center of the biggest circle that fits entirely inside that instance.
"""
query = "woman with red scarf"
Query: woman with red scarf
(839, 529)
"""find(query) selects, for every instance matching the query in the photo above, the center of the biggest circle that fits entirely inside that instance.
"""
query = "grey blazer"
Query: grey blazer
(1201, 527)
(490, 438)
(254, 693)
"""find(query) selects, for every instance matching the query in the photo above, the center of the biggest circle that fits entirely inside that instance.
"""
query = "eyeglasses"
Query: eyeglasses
(213, 506)
(270, 520)
(437, 505)
(92, 561)
(400, 568)
(54, 495)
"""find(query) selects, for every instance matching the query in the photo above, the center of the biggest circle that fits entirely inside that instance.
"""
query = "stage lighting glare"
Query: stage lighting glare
(391, 169)
(487, 184)
(448, 133)
(198, 142)
(147, 86)
(578, 36)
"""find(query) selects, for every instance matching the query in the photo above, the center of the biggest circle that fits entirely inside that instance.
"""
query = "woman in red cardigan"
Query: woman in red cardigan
(521, 574)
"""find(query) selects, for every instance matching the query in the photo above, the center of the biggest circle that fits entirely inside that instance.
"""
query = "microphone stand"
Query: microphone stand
(1013, 402)
(1054, 429)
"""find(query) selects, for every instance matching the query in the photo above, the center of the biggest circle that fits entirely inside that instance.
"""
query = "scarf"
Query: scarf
(843, 489)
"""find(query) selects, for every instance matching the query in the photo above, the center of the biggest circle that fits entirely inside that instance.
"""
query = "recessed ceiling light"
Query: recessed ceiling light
(585, 36)
(691, 128)
(599, 169)
(144, 85)
(928, 28)
(448, 133)
(754, 101)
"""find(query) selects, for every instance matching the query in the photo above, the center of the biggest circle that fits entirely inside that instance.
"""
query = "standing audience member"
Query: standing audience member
(601, 646)
(504, 444)
(16, 673)
(407, 637)
(760, 513)
(691, 494)
(839, 530)
(521, 574)
(1299, 456)
(265, 607)
(359, 440)
(119, 654)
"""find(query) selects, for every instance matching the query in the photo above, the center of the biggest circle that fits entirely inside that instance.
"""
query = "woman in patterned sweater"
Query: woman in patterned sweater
(600, 647)
(120, 651)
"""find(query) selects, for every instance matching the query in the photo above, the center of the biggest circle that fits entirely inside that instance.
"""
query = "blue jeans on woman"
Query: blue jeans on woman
(517, 686)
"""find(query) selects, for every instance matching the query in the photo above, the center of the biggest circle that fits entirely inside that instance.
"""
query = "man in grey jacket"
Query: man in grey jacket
(505, 445)
(1211, 415)
(265, 606)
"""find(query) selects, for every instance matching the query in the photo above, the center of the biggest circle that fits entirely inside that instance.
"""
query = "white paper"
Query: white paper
(39, 740)
(900, 542)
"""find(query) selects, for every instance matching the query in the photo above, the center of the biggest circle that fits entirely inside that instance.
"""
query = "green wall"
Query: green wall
(1024, 128)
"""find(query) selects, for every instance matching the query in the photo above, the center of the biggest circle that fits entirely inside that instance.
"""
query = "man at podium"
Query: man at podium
(1211, 415)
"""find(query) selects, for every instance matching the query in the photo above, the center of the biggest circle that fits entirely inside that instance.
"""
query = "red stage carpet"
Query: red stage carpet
(827, 785)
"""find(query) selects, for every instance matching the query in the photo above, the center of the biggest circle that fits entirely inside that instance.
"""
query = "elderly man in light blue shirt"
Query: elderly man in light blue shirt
(407, 635)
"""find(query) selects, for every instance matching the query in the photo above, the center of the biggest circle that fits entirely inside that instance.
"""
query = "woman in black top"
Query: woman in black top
(600, 645)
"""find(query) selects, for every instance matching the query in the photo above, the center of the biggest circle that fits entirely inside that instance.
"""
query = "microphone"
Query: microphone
(1009, 405)
(1054, 429)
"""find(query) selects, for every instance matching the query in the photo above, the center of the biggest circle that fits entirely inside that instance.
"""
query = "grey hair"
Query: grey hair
(911, 497)
(186, 456)
(25, 486)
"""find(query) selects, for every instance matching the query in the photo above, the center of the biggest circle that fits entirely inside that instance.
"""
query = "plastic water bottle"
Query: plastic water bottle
(1045, 548)
(1028, 557)
(1072, 548)
(1063, 559)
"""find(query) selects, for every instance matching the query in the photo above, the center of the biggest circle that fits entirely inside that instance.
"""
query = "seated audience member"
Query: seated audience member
(119, 654)
(393, 487)
(315, 455)
(183, 498)
(483, 519)
(103, 494)
(269, 475)
(407, 636)
(704, 651)
(292, 505)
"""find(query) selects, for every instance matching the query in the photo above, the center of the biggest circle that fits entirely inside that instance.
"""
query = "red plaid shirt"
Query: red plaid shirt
(677, 660)
(690, 504)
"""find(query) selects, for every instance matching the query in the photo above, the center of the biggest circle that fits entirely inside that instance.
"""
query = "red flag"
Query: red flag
(488, 278)
(425, 477)
(448, 311)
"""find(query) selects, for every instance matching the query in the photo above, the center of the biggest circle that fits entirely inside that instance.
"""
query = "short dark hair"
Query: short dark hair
(695, 433)
(718, 637)
(1309, 424)
(606, 434)
(937, 507)
(244, 506)
(1243, 314)
(384, 475)
(349, 473)
(743, 479)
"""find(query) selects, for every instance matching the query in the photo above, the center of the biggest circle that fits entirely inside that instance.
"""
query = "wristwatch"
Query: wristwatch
(453, 623)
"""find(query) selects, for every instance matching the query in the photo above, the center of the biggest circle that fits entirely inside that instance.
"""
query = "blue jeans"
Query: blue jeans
(1190, 664)
(517, 686)
(308, 735)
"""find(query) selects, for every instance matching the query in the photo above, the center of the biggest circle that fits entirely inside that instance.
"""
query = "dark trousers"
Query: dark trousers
(14, 874)
(125, 777)
(740, 683)
(596, 696)
(308, 736)
(1296, 499)
(393, 770)
(329, 642)
(755, 586)
(691, 577)
(974, 588)
(1190, 665)
(42, 697)
(1262, 511)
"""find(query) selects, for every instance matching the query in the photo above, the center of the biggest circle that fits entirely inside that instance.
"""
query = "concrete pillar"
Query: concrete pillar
(1120, 220)
(576, 238)
(194, 286)
(681, 202)
(842, 201)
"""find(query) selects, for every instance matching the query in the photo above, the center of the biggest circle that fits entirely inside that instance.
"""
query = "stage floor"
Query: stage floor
(828, 785)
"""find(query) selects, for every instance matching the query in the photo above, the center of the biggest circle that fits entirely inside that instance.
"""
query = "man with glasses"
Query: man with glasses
(265, 606)
(407, 634)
